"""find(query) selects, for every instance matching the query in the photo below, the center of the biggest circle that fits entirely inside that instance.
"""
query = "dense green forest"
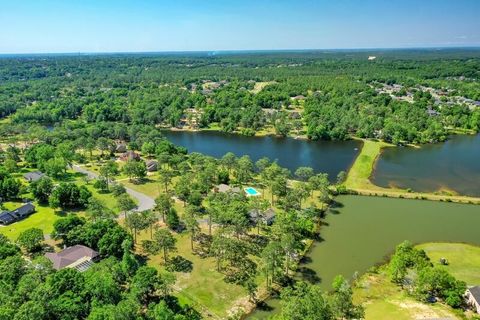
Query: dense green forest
(400, 96)
(197, 251)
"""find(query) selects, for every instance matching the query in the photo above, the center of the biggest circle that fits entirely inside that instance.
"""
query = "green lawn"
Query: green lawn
(384, 300)
(463, 259)
(358, 178)
(43, 219)
(204, 287)
(359, 174)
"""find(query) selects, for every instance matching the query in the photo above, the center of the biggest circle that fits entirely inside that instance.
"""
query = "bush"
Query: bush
(100, 184)
(172, 220)
(118, 189)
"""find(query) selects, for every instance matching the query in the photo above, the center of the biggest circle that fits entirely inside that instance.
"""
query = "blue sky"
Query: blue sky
(48, 26)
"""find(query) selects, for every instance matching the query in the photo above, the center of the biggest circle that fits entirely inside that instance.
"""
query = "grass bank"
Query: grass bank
(384, 300)
(463, 259)
(358, 178)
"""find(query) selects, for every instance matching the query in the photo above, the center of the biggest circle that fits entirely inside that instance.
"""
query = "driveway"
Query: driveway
(144, 202)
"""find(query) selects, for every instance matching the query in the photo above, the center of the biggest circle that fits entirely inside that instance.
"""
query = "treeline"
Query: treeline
(412, 269)
(158, 90)
(118, 287)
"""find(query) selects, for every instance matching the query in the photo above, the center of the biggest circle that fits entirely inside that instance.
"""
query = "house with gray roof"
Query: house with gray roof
(33, 176)
(18, 214)
(152, 165)
(473, 298)
(78, 256)
(267, 217)
(225, 188)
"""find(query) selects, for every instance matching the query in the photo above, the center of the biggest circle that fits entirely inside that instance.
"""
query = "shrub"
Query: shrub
(118, 189)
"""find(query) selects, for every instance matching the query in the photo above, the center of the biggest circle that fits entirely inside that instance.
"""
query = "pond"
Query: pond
(363, 231)
(450, 166)
(323, 156)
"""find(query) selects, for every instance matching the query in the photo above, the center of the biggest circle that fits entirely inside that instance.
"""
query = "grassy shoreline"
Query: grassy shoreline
(358, 178)
(380, 296)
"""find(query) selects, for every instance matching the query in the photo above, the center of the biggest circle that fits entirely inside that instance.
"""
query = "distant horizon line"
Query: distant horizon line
(221, 51)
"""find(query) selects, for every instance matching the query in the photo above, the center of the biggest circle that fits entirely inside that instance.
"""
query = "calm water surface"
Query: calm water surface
(323, 156)
(364, 230)
(453, 165)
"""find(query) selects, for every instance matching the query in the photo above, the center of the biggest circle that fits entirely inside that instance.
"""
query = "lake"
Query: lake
(453, 165)
(363, 231)
(323, 156)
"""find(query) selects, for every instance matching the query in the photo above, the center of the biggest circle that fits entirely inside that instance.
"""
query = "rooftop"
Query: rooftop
(77, 256)
(475, 292)
(33, 176)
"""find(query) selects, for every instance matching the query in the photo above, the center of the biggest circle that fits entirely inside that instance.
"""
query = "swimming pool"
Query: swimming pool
(251, 192)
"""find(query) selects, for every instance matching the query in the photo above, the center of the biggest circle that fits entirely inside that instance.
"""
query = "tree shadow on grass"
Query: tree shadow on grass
(142, 181)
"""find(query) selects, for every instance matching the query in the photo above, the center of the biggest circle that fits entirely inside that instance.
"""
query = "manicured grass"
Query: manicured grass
(151, 187)
(384, 300)
(43, 218)
(204, 287)
(358, 178)
(361, 170)
(463, 259)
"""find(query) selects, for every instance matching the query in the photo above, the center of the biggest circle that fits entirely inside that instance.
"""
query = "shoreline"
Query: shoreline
(358, 178)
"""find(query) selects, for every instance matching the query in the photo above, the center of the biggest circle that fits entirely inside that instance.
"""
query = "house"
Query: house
(432, 113)
(6, 218)
(473, 298)
(152, 165)
(130, 155)
(224, 188)
(267, 217)
(295, 115)
(121, 148)
(33, 176)
(371, 58)
(18, 214)
(78, 257)
(299, 97)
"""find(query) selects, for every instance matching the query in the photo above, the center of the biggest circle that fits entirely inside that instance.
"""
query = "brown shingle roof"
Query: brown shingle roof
(70, 255)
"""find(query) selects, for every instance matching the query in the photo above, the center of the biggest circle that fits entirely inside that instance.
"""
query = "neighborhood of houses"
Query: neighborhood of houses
(442, 97)
(81, 257)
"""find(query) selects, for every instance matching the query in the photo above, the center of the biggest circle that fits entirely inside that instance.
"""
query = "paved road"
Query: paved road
(144, 202)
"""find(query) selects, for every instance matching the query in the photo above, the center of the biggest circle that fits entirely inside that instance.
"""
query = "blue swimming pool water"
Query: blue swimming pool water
(251, 191)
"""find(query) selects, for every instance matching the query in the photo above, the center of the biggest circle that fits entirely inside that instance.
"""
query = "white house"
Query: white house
(473, 298)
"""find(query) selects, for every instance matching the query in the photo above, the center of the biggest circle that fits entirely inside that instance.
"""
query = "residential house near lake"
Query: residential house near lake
(267, 217)
(8, 217)
(78, 257)
(473, 298)
(225, 188)
(130, 155)
(33, 176)
(152, 165)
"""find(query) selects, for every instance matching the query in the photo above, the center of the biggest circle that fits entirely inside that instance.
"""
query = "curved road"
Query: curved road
(144, 202)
